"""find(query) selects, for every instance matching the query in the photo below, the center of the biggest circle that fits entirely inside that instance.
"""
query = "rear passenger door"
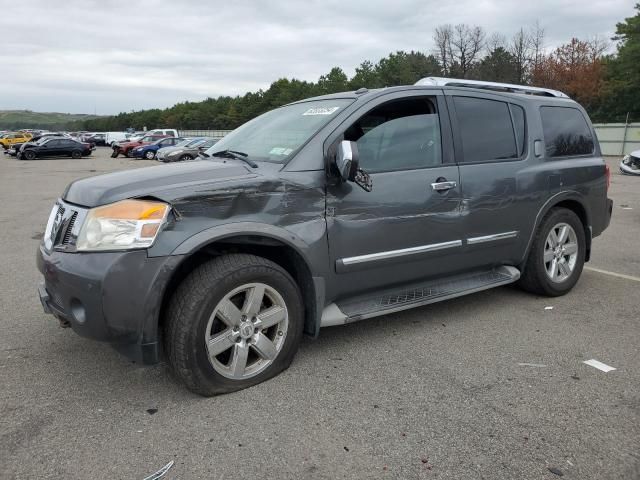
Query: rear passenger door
(490, 136)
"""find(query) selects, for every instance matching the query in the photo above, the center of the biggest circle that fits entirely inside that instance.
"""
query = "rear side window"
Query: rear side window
(566, 132)
(485, 129)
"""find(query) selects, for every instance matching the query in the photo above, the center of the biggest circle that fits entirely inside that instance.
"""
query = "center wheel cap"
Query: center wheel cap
(246, 329)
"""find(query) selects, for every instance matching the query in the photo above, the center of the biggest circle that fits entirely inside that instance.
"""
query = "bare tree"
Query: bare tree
(495, 41)
(442, 39)
(467, 44)
(521, 48)
(599, 47)
(536, 34)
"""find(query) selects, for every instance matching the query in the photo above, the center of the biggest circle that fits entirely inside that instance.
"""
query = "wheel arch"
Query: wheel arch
(570, 200)
(273, 243)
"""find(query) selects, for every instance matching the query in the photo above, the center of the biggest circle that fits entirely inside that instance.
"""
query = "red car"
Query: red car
(125, 148)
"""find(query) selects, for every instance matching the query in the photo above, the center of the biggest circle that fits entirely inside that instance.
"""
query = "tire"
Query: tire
(184, 158)
(193, 317)
(29, 155)
(149, 154)
(76, 154)
(126, 153)
(536, 277)
(114, 154)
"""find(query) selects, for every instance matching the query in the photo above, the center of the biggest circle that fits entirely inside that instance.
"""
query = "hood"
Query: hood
(150, 181)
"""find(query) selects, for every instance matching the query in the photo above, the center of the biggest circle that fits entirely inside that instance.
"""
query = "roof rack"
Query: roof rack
(501, 87)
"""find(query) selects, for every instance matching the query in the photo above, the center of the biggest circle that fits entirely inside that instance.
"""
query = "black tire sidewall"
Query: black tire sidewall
(560, 215)
(76, 154)
(28, 155)
(275, 278)
(184, 158)
(149, 157)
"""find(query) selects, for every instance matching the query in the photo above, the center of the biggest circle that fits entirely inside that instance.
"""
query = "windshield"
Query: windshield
(278, 134)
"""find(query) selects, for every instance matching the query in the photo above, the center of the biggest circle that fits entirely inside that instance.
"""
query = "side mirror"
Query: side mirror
(347, 160)
(348, 164)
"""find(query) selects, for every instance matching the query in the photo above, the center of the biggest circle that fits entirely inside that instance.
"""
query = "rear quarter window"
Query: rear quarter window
(566, 132)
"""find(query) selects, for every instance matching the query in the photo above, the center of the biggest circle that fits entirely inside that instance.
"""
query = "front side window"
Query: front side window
(486, 130)
(399, 135)
(276, 135)
(566, 132)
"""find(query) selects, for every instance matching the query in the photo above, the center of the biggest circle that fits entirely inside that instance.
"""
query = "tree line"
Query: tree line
(606, 84)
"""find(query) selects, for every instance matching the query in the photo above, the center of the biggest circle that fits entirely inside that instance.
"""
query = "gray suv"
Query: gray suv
(323, 212)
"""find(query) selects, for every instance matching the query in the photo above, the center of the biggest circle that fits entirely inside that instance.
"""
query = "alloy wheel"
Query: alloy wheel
(246, 331)
(560, 252)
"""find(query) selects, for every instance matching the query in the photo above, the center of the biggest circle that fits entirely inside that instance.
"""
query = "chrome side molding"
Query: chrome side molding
(399, 253)
(492, 238)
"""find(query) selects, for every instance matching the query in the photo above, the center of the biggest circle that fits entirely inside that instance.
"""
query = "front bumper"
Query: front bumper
(113, 297)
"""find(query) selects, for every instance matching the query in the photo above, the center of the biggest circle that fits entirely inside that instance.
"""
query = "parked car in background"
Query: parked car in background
(149, 151)
(630, 164)
(111, 138)
(15, 148)
(187, 152)
(12, 138)
(98, 139)
(54, 147)
(165, 132)
(125, 148)
(186, 142)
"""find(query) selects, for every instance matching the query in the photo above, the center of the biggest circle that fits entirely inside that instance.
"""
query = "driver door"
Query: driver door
(408, 227)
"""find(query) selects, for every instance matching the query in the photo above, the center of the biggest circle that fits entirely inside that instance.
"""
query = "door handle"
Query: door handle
(443, 186)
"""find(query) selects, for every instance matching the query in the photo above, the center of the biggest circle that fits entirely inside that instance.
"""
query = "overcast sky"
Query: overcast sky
(78, 56)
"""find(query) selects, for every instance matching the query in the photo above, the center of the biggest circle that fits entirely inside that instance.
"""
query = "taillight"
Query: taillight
(607, 172)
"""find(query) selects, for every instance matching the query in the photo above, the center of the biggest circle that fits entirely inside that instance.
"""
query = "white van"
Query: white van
(114, 137)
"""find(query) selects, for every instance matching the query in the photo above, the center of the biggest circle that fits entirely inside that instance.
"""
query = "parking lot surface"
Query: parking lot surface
(488, 386)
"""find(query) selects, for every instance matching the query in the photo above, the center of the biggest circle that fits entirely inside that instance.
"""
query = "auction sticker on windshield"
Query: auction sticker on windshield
(321, 111)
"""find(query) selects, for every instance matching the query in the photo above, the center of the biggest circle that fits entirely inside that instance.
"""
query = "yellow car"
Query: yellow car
(9, 139)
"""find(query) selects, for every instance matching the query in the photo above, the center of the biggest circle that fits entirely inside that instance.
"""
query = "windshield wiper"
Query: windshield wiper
(237, 155)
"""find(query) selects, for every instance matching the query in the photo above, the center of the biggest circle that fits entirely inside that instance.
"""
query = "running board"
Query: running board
(415, 295)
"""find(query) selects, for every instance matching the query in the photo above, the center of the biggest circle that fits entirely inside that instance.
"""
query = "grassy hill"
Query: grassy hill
(14, 119)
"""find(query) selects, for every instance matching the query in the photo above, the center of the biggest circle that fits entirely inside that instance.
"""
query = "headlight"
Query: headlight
(626, 159)
(122, 225)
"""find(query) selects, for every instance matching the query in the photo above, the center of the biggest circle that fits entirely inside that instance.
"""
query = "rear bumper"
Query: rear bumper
(112, 297)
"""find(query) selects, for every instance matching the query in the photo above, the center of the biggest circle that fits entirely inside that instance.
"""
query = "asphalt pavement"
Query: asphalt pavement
(488, 386)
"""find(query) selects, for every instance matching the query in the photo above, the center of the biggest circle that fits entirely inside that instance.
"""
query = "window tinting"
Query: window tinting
(566, 132)
(400, 135)
(519, 124)
(485, 129)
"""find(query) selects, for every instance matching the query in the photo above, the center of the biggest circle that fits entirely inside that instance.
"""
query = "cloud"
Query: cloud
(113, 56)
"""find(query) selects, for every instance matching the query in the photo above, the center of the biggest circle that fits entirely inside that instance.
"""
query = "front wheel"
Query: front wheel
(76, 154)
(28, 155)
(234, 322)
(557, 254)
(149, 154)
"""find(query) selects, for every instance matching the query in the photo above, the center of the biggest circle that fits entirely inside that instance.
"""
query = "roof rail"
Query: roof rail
(501, 87)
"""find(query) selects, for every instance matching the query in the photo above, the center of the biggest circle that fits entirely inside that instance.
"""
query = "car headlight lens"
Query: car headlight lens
(626, 159)
(122, 225)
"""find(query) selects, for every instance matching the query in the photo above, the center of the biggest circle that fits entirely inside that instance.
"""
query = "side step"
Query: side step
(415, 295)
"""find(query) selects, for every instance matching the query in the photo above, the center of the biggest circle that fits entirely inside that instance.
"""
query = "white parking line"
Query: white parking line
(599, 365)
(613, 274)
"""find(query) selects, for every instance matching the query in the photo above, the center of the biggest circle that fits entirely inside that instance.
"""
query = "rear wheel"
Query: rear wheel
(234, 322)
(557, 254)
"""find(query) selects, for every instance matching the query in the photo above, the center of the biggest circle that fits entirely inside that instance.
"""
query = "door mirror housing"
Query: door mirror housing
(347, 160)
(347, 163)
